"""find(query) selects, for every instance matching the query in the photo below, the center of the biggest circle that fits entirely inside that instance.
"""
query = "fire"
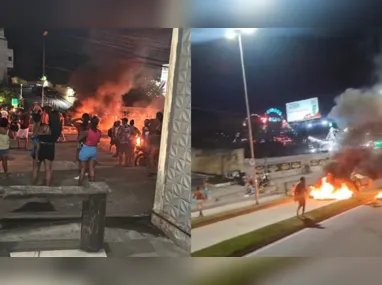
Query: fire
(328, 191)
(379, 196)
(138, 141)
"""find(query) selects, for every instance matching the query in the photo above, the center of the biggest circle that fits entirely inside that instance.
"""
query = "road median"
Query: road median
(252, 241)
(250, 271)
(207, 220)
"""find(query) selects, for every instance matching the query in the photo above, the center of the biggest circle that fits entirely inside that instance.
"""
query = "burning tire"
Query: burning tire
(140, 160)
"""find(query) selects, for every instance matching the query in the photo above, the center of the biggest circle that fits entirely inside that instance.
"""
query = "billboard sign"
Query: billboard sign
(303, 110)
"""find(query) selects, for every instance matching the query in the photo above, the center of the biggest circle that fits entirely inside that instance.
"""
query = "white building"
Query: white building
(6, 57)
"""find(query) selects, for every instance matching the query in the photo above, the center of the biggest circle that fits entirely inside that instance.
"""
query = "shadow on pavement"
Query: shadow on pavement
(309, 223)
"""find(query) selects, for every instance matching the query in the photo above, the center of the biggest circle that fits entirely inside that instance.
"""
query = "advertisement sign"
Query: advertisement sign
(164, 77)
(303, 110)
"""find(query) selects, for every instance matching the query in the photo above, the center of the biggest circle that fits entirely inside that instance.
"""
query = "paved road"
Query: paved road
(132, 191)
(317, 271)
(209, 235)
(328, 271)
(356, 233)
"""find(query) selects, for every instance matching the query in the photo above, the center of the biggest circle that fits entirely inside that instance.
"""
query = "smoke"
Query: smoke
(109, 75)
(359, 111)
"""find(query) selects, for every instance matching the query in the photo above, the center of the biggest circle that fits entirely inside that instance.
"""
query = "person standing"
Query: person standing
(200, 198)
(123, 136)
(23, 132)
(154, 143)
(114, 137)
(88, 152)
(5, 136)
(82, 126)
(45, 152)
(62, 122)
(14, 121)
(134, 133)
(300, 194)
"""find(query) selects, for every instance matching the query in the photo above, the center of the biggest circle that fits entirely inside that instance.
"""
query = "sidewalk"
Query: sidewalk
(206, 236)
(250, 201)
(233, 197)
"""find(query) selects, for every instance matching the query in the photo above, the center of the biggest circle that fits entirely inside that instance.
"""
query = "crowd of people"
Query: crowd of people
(47, 130)
(124, 137)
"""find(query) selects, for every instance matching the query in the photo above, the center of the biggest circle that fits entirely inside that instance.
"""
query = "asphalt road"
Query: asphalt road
(328, 271)
(356, 233)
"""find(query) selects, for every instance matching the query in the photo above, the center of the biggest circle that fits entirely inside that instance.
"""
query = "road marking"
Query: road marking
(299, 232)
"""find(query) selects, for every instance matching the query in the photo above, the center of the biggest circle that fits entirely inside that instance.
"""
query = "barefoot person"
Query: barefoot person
(82, 126)
(88, 152)
(23, 132)
(200, 197)
(45, 148)
(300, 196)
(5, 136)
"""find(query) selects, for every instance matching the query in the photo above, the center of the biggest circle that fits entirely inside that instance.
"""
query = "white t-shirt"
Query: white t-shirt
(4, 114)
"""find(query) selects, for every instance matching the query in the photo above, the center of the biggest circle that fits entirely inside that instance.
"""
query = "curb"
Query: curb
(220, 185)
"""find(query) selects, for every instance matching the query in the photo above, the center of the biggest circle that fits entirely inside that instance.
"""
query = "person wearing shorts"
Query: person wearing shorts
(88, 152)
(300, 196)
(23, 132)
(5, 136)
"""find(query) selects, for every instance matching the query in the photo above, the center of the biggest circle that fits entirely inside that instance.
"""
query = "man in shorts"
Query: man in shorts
(22, 133)
(300, 196)
(123, 136)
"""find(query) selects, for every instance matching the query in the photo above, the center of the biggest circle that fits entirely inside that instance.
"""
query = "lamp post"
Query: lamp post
(43, 69)
(237, 33)
(21, 91)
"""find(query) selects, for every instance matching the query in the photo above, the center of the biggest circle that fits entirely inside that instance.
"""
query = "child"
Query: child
(200, 198)
(5, 136)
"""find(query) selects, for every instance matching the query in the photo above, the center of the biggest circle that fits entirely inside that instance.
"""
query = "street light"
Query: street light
(233, 34)
(43, 68)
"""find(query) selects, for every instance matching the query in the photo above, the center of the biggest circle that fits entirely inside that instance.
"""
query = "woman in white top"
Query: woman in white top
(5, 136)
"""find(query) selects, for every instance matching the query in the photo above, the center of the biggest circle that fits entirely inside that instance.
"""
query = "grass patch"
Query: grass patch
(204, 221)
(247, 243)
(248, 272)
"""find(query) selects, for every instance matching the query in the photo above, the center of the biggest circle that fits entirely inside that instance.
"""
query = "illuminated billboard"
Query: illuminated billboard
(302, 110)
(164, 77)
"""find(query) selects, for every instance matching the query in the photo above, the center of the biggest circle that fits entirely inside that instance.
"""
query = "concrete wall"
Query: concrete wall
(289, 165)
(217, 162)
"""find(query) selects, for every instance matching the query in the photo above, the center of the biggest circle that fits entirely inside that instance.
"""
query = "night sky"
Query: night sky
(282, 65)
(69, 49)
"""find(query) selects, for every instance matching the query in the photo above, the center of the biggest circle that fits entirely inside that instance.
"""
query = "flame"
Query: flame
(328, 191)
(379, 196)
(138, 141)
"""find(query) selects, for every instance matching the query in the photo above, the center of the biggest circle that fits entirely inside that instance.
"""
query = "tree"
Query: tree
(145, 94)
(6, 95)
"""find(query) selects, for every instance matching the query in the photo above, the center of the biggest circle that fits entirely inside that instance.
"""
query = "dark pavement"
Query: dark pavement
(132, 190)
(356, 233)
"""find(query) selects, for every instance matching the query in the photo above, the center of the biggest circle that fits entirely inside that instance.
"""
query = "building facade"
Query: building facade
(6, 57)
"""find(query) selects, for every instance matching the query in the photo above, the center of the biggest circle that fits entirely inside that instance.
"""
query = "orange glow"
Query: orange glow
(138, 141)
(328, 191)
(379, 196)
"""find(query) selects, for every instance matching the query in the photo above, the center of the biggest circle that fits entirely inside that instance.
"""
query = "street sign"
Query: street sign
(15, 102)
(252, 162)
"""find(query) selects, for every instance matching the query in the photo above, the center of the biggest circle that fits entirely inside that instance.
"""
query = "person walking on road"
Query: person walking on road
(300, 194)
(200, 197)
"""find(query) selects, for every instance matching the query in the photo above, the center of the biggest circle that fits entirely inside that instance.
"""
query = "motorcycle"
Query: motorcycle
(140, 153)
